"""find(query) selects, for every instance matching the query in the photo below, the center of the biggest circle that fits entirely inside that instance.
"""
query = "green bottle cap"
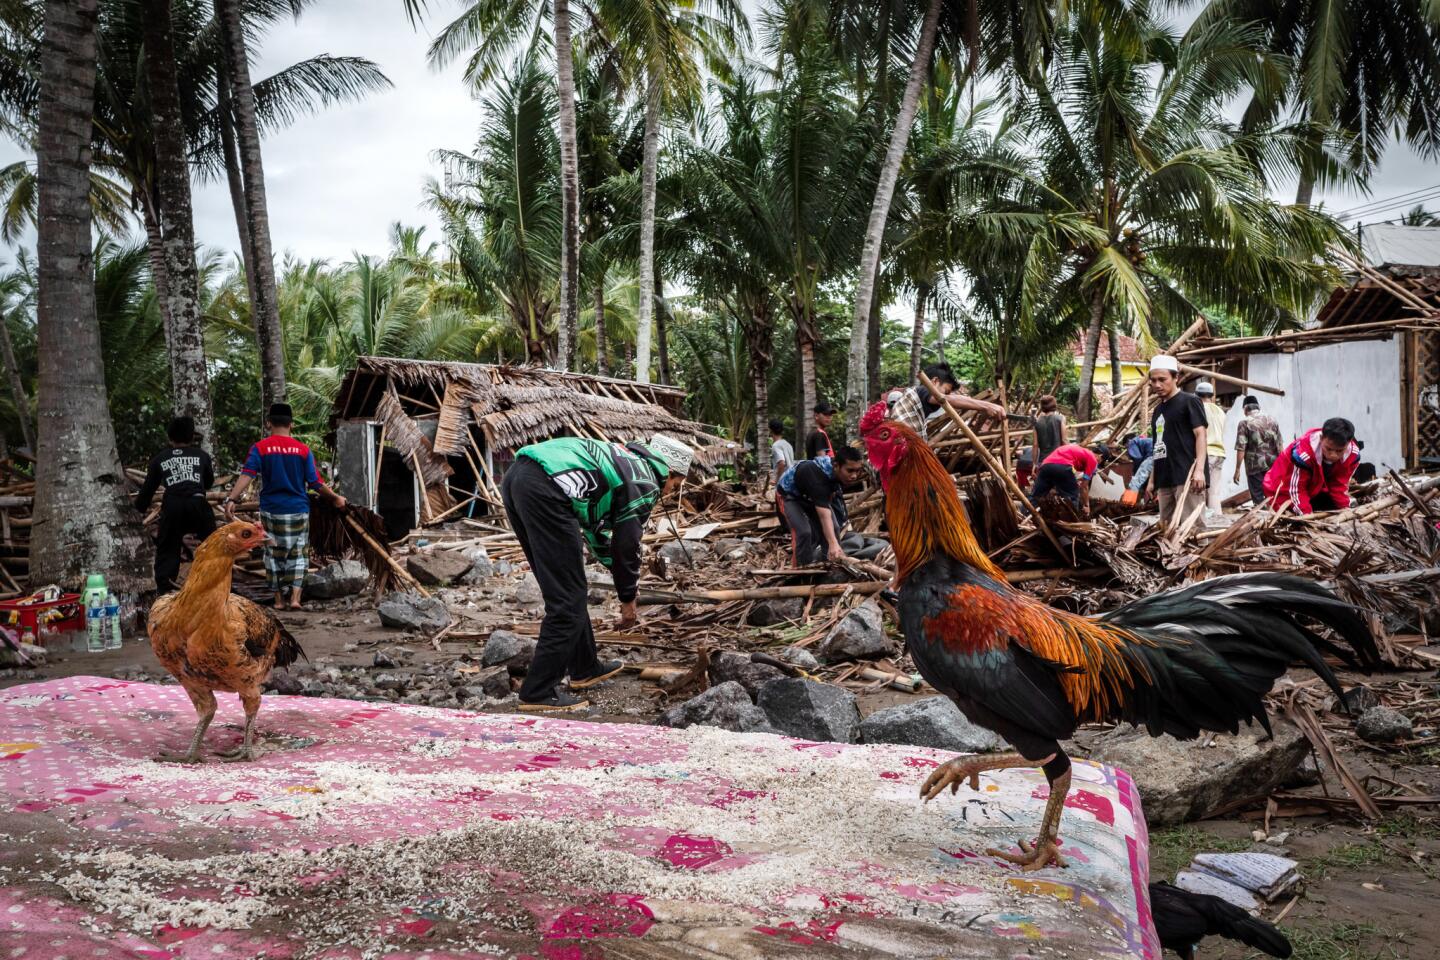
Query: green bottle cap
(96, 581)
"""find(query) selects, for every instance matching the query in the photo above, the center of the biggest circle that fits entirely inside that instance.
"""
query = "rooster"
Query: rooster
(1198, 658)
(1183, 919)
(210, 639)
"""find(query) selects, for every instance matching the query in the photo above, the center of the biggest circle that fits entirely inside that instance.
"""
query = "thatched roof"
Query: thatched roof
(514, 406)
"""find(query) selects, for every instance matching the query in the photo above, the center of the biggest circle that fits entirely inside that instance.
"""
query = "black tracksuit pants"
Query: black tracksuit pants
(549, 533)
(179, 516)
(1057, 477)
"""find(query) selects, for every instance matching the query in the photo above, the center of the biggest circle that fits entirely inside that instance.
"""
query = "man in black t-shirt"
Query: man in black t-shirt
(186, 472)
(1177, 428)
(812, 502)
(818, 443)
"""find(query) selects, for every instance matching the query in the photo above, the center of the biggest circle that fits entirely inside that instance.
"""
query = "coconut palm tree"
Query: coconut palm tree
(17, 305)
(83, 521)
(487, 33)
(1117, 178)
(502, 215)
(1370, 68)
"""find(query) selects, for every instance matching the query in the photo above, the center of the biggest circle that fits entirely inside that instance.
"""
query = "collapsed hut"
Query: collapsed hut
(424, 442)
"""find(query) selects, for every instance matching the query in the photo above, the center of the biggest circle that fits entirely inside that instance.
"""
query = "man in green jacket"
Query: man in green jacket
(561, 493)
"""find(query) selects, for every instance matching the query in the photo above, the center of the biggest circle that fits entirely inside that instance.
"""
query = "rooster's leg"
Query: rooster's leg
(952, 773)
(204, 702)
(1046, 849)
(245, 750)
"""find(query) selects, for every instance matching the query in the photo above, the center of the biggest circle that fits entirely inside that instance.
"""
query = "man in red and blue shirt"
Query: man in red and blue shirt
(1067, 471)
(1313, 473)
(286, 469)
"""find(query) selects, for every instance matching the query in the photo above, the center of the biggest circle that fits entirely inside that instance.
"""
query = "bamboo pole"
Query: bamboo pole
(1226, 378)
(1006, 478)
(398, 570)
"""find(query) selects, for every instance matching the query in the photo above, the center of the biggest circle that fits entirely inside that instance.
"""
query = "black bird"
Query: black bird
(1183, 919)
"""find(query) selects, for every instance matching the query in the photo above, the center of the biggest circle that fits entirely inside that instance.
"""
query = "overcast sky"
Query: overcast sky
(337, 180)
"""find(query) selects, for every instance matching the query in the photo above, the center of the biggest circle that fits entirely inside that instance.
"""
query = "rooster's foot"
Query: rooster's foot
(1037, 856)
(950, 774)
(191, 757)
(239, 754)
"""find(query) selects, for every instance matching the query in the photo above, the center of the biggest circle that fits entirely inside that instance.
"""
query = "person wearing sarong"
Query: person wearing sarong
(286, 469)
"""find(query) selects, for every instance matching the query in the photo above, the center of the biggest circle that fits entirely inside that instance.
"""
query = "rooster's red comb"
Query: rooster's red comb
(877, 414)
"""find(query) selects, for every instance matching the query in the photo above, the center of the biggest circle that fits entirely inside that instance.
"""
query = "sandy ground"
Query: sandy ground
(1369, 893)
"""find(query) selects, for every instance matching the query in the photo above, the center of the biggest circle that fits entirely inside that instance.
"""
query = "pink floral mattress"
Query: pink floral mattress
(381, 830)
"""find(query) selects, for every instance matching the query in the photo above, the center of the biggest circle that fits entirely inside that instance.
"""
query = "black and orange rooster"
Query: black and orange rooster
(1198, 658)
(210, 639)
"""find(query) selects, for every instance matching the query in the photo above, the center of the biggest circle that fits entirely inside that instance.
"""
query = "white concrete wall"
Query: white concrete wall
(1359, 381)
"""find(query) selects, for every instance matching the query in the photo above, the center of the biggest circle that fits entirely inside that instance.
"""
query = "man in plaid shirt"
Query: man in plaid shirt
(917, 403)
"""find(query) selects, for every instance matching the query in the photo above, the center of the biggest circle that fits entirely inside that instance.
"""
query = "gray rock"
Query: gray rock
(728, 666)
(438, 567)
(383, 660)
(810, 710)
(503, 567)
(931, 722)
(859, 636)
(684, 553)
(727, 549)
(1181, 780)
(495, 682)
(801, 658)
(509, 650)
(410, 611)
(343, 579)
(1382, 725)
(440, 698)
(1360, 698)
(393, 681)
(769, 613)
(284, 682)
(480, 566)
(527, 591)
(726, 706)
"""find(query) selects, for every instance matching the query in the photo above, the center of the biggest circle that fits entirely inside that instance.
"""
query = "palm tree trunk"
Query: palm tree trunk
(1092, 347)
(83, 521)
(264, 309)
(647, 226)
(662, 337)
(1117, 380)
(762, 418)
(872, 351)
(184, 334)
(602, 362)
(1306, 191)
(805, 349)
(856, 389)
(569, 188)
(23, 410)
(917, 336)
(237, 187)
(939, 337)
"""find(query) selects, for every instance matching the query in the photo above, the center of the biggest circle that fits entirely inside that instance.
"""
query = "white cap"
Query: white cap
(893, 396)
(677, 456)
(1162, 362)
(1205, 387)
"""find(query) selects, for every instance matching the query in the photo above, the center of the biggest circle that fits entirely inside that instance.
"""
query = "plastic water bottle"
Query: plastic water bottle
(94, 623)
(112, 622)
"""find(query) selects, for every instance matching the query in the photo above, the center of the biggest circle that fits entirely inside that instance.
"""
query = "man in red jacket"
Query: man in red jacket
(1313, 473)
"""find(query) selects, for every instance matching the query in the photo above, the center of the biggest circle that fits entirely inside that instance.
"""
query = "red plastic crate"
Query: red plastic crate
(66, 613)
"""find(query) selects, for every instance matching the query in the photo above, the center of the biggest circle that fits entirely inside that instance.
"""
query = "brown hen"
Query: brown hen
(210, 639)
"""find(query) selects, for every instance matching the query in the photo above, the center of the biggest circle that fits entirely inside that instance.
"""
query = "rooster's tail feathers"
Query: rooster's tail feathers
(288, 650)
(1179, 914)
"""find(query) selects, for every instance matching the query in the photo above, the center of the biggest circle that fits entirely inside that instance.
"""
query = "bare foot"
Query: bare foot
(296, 606)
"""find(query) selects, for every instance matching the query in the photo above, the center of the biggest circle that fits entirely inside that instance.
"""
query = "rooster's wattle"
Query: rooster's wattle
(1197, 658)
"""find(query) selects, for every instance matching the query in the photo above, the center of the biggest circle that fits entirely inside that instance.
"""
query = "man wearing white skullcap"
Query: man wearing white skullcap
(1177, 427)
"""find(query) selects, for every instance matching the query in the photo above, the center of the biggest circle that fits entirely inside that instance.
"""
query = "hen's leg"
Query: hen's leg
(204, 702)
(245, 751)
(1046, 849)
(952, 773)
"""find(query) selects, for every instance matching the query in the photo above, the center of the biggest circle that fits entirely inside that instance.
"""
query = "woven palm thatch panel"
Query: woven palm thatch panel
(451, 434)
(406, 436)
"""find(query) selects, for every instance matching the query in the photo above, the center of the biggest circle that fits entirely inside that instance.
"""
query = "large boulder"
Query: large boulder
(810, 710)
(508, 649)
(1382, 725)
(860, 635)
(931, 722)
(1184, 780)
(770, 613)
(726, 706)
(438, 568)
(729, 666)
(410, 611)
(344, 578)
